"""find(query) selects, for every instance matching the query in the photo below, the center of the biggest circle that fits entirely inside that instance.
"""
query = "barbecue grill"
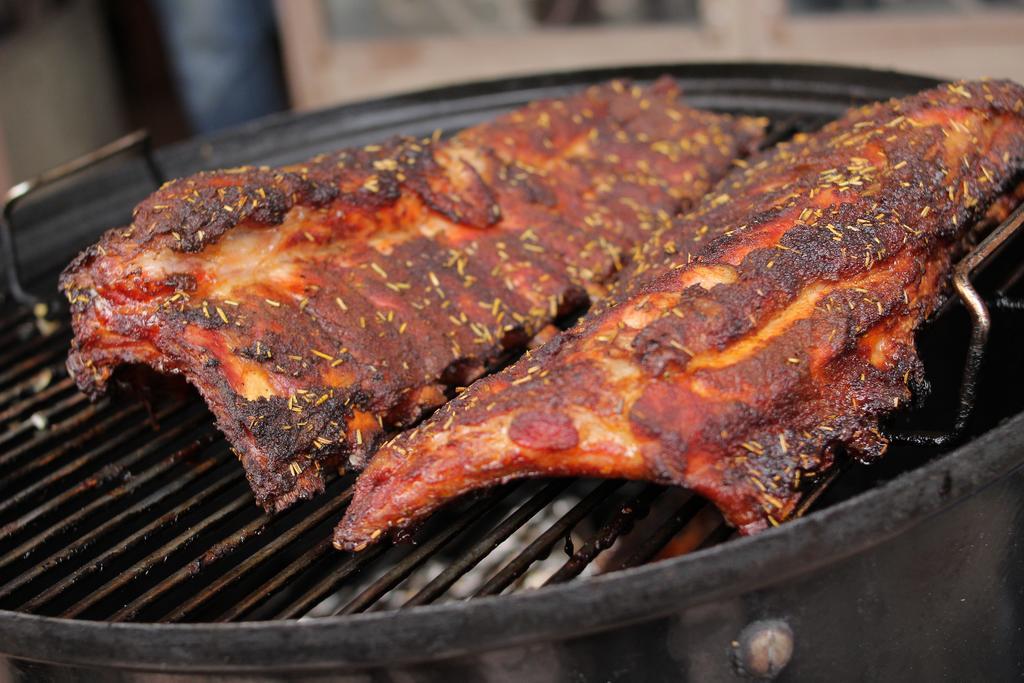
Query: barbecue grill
(130, 546)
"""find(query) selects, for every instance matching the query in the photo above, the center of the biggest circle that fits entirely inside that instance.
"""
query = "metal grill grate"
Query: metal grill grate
(110, 513)
(109, 517)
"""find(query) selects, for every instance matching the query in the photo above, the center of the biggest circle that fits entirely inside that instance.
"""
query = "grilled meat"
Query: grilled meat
(778, 326)
(318, 306)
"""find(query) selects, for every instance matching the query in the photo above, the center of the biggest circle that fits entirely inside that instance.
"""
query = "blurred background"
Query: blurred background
(75, 74)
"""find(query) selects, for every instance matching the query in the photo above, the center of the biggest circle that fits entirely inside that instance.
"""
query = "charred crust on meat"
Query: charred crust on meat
(344, 297)
(749, 341)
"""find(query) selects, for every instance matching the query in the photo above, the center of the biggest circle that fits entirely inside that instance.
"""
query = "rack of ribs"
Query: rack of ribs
(319, 306)
(779, 326)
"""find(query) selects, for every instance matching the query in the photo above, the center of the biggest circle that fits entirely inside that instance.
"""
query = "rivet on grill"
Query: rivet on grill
(763, 649)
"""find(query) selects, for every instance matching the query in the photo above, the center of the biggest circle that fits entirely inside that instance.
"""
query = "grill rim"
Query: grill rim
(641, 593)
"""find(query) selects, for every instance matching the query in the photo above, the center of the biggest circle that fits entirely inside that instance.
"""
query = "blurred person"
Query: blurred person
(225, 58)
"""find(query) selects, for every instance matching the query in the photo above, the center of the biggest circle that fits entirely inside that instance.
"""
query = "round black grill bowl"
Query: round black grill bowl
(911, 569)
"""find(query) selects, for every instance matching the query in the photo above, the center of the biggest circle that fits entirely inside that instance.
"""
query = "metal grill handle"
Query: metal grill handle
(8, 252)
(981, 324)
